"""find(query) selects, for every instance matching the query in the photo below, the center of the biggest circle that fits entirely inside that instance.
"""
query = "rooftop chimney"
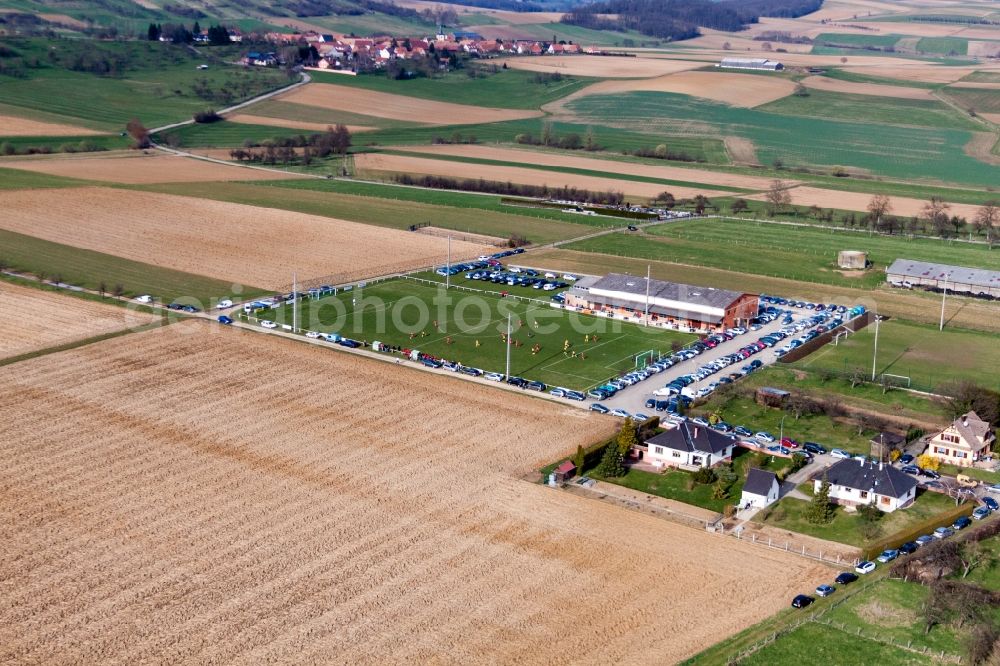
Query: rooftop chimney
(861, 461)
(880, 465)
(965, 421)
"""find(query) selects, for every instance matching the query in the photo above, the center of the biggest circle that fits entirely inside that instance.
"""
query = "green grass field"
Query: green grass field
(943, 45)
(16, 179)
(983, 77)
(844, 75)
(507, 89)
(979, 100)
(855, 41)
(870, 109)
(791, 513)
(918, 152)
(392, 207)
(403, 312)
(88, 269)
(931, 358)
(315, 114)
(823, 644)
(804, 253)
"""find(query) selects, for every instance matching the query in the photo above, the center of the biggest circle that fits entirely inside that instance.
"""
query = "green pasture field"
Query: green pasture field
(375, 23)
(803, 253)
(931, 358)
(580, 35)
(156, 87)
(314, 114)
(870, 109)
(833, 647)
(918, 152)
(403, 312)
(792, 514)
(982, 77)
(507, 89)
(224, 134)
(384, 210)
(88, 269)
(943, 45)
(573, 170)
(15, 179)
(852, 40)
(980, 100)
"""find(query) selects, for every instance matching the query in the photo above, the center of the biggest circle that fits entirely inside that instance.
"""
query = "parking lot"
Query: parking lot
(632, 399)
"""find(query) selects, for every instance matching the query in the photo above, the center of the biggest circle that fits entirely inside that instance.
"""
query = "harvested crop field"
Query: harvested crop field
(911, 72)
(808, 196)
(378, 162)
(17, 126)
(35, 319)
(399, 107)
(744, 90)
(604, 66)
(247, 245)
(529, 157)
(138, 169)
(873, 89)
(160, 502)
(251, 119)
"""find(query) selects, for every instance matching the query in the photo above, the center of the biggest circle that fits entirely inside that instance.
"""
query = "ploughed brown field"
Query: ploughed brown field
(34, 319)
(137, 169)
(247, 245)
(399, 107)
(205, 495)
(17, 126)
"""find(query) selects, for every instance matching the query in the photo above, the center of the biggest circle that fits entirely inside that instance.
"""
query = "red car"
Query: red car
(789, 443)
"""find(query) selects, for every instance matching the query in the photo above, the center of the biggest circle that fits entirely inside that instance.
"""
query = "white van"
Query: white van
(145, 298)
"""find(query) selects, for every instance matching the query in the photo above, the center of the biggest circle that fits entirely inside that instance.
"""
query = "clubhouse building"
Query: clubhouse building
(664, 304)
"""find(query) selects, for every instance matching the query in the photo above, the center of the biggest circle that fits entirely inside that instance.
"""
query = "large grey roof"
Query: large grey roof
(675, 291)
(655, 309)
(759, 482)
(924, 270)
(690, 437)
(873, 477)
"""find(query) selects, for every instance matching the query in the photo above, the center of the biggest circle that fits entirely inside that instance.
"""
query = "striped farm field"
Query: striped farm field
(238, 243)
(221, 497)
(55, 319)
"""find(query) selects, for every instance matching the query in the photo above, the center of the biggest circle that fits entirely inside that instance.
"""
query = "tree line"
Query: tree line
(610, 197)
(285, 150)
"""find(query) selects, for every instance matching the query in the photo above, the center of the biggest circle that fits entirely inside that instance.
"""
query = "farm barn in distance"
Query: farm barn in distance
(669, 304)
(751, 63)
(973, 281)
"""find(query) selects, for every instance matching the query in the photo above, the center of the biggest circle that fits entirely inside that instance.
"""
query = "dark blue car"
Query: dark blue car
(223, 319)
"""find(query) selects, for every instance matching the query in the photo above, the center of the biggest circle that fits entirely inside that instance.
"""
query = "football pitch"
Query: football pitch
(558, 347)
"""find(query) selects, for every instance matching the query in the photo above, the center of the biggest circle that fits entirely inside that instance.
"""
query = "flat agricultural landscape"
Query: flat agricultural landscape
(385, 163)
(136, 168)
(605, 67)
(400, 107)
(208, 493)
(243, 244)
(35, 319)
(570, 161)
(872, 89)
(858, 201)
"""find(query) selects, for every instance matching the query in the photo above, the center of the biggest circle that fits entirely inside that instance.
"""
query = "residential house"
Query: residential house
(967, 440)
(260, 59)
(761, 488)
(855, 483)
(689, 445)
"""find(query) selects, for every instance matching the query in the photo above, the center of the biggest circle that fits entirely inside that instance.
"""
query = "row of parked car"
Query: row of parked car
(525, 278)
(802, 305)
(483, 262)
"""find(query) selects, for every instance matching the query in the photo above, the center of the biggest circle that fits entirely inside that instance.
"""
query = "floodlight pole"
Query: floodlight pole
(944, 296)
(781, 430)
(875, 351)
(295, 303)
(507, 376)
(646, 314)
(447, 272)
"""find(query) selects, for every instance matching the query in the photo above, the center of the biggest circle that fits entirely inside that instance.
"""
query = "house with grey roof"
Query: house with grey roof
(689, 446)
(967, 440)
(857, 482)
(761, 488)
(664, 304)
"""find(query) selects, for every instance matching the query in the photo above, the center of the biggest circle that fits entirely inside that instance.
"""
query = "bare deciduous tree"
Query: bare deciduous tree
(879, 207)
(777, 197)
